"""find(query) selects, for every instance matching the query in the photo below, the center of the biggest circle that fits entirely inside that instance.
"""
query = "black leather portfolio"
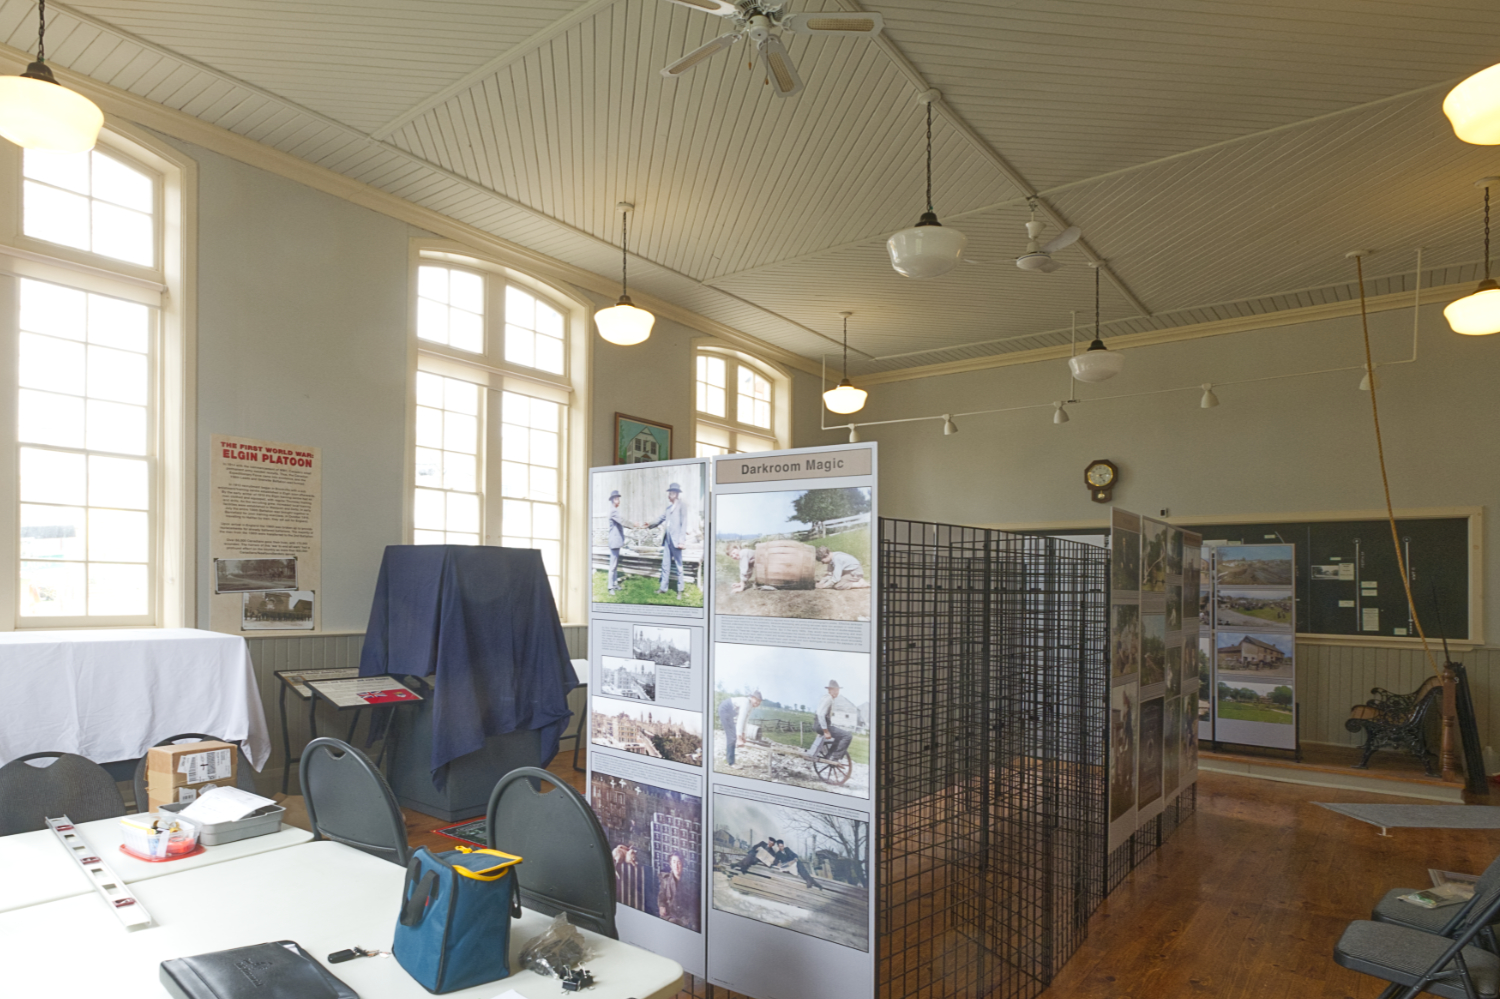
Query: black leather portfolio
(279, 970)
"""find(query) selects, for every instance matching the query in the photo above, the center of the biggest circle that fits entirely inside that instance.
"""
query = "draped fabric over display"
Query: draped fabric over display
(483, 621)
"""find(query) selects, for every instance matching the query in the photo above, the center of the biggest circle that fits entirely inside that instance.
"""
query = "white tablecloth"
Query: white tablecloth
(112, 694)
(325, 896)
(34, 867)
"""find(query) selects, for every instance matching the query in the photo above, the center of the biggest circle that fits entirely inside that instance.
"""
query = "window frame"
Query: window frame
(168, 288)
(778, 433)
(495, 375)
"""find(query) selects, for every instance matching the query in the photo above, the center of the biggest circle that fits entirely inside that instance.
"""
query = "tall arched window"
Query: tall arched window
(739, 403)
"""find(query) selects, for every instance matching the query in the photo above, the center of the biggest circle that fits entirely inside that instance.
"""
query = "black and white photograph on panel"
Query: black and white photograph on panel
(1153, 555)
(663, 646)
(1124, 639)
(1174, 667)
(793, 716)
(1124, 552)
(1260, 658)
(801, 553)
(277, 610)
(803, 869)
(1191, 567)
(1174, 606)
(651, 730)
(1152, 728)
(245, 575)
(1263, 608)
(647, 535)
(1123, 710)
(1153, 648)
(655, 837)
(1255, 565)
(632, 679)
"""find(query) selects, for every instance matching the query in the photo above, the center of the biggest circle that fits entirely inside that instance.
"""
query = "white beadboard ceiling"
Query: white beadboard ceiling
(1220, 156)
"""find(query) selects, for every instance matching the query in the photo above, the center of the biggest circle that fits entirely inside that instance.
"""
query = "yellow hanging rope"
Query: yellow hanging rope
(1390, 511)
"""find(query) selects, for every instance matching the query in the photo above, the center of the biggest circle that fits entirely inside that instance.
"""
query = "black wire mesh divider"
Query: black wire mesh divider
(993, 700)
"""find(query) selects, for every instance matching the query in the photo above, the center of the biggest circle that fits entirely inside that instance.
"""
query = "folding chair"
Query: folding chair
(1448, 920)
(1415, 962)
(349, 802)
(565, 859)
(244, 776)
(71, 785)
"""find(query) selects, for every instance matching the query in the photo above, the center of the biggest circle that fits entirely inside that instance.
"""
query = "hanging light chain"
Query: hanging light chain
(624, 249)
(846, 348)
(929, 156)
(1486, 232)
(1097, 335)
(41, 31)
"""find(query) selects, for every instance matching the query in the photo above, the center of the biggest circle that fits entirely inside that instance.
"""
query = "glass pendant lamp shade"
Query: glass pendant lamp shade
(37, 112)
(1473, 108)
(1477, 314)
(927, 249)
(845, 398)
(624, 324)
(1097, 364)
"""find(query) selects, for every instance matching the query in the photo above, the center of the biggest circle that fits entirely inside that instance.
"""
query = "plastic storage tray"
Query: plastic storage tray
(219, 833)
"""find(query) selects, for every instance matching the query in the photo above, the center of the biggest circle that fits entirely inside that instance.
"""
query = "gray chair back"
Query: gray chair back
(349, 802)
(244, 777)
(71, 785)
(565, 859)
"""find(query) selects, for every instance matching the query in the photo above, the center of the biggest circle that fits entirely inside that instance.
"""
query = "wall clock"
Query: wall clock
(1100, 477)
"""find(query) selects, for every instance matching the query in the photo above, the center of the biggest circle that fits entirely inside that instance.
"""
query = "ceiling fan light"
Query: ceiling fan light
(1097, 364)
(624, 324)
(37, 112)
(845, 398)
(1477, 314)
(1473, 108)
(927, 249)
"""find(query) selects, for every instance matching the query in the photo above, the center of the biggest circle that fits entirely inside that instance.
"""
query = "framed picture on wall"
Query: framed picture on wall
(639, 440)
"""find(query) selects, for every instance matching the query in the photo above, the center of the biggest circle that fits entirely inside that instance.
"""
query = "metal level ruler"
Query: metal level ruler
(106, 882)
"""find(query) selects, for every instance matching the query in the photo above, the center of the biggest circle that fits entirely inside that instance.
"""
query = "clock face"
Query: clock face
(1099, 474)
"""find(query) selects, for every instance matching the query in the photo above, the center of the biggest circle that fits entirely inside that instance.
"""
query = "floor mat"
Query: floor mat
(469, 831)
(1421, 816)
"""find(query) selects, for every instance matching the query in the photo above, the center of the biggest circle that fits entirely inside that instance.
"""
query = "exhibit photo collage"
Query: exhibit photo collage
(1254, 645)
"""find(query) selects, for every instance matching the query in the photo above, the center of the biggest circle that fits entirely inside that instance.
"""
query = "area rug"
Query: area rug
(473, 831)
(1421, 816)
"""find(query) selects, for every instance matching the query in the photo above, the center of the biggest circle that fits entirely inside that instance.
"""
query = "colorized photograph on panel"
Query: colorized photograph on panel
(1196, 660)
(1171, 755)
(1264, 608)
(277, 610)
(1174, 552)
(1174, 670)
(1261, 657)
(793, 716)
(1153, 722)
(1122, 720)
(632, 679)
(1191, 567)
(1124, 560)
(655, 837)
(802, 869)
(663, 646)
(803, 553)
(1189, 737)
(1174, 607)
(1256, 702)
(1124, 639)
(1153, 556)
(652, 730)
(1255, 565)
(1153, 649)
(246, 575)
(647, 535)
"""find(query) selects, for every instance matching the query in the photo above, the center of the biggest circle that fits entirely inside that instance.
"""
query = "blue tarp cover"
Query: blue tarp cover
(483, 620)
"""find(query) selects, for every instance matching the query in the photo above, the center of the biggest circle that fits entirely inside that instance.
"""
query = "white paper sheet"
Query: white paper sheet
(223, 804)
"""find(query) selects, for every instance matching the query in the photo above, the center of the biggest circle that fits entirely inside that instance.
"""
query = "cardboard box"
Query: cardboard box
(180, 794)
(191, 763)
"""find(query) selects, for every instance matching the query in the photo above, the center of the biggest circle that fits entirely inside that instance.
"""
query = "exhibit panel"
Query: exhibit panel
(1254, 645)
(793, 722)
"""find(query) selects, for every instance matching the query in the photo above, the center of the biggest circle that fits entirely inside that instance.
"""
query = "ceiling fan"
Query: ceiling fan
(1038, 255)
(763, 24)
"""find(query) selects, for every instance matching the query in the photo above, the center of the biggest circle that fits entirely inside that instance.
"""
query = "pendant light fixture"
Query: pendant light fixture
(845, 398)
(949, 427)
(1473, 108)
(1209, 400)
(1098, 363)
(622, 323)
(1479, 314)
(926, 250)
(37, 112)
(1060, 415)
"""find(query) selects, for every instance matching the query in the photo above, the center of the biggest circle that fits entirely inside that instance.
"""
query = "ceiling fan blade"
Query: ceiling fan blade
(780, 69)
(1064, 239)
(839, 23)
(720, 7)
(699, 54)
(1048, 266)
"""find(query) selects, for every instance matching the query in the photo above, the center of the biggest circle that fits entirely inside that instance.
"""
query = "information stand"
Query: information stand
(355, 694)
(1252, 647)
(296, 680)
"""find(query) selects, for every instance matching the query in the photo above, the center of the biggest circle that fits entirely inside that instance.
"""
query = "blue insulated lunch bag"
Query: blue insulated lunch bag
(456, 908)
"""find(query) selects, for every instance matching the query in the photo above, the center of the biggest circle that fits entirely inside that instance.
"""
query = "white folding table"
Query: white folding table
(34, 867)
(325, 896)
(112, 694)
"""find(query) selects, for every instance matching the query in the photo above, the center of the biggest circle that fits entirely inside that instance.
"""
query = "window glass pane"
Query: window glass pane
(51, 364)
(543, 449)
(709, 434)
(115, 323)
(466, 291)
(118, 375)
(515, 478)
(429, 467)
(118, 589)
(56, 216)
(465, 330)
(52, 589)
(432, 282)
(54, 310)
(460, 433)
(546, 521)
(515, 517)
(460, 396)
(428, 538)
(459, 471)
(118, 482)
(545, 415)
(462, 539)
(123, 234)
(549, 354)
(115, 182)
(519, 345)
(714, 401)
(515, 408)
(53, 532)
(430, 389)
(551, 555)
(543, 483)
(432, 321)
(52, 477)
(91, 202)
(429, 427)
(549, 321)
(118, 536)
(463, 512)
(745, 443)
(714, 371)
(520, 307)
(45, 418)
(113, 427)
(709, 450)
(69, 170)
(515, 442)
(427, 512)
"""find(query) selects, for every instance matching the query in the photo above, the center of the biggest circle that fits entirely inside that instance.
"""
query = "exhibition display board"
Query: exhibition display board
(1154, 666)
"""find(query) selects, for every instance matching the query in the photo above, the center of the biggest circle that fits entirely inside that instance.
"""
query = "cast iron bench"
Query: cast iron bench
(1396, 721)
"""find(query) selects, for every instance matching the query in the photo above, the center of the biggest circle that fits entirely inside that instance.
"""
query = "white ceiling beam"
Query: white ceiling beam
(1009, 172)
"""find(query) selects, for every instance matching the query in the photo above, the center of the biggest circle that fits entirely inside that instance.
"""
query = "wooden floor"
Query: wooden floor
(1248, 897)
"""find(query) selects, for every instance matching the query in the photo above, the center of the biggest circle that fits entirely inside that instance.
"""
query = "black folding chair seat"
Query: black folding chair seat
(71, 785)
(1449, 920)
(1405, 956)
